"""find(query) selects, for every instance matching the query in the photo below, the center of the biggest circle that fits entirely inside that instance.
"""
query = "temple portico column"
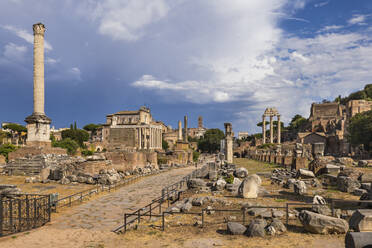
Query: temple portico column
(271, 130)
(185, 138)
(279, 130)
(263, 129)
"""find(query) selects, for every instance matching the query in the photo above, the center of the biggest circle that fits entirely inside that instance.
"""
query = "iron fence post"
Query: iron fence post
(49, 208)
(162, 224)
(11, 214)
(125, 222)
(150, 210)
(202, 218)
(332, 208)
(19, 215)
(243, 216)
(139, 216)
(1, 216)
(287, 215)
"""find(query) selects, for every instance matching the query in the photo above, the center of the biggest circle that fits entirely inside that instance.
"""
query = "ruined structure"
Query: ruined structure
(199, 131)
(132, 129)
(271, 112)
(228, 142)
(38, 124)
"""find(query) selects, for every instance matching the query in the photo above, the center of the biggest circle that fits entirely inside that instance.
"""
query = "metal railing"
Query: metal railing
(25, 212)
(169, 194)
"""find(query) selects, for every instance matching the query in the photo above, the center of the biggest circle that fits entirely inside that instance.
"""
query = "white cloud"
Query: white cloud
(321, 4)
(27, 36)
(331, 28)
(14, 52)
(51, 61)
(358, 19)
(75, 73)
(125, 20)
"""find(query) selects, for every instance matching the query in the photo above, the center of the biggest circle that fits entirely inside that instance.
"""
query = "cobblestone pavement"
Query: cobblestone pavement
(106, 212)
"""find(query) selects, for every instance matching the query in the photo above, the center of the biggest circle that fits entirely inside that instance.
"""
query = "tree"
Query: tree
(77, 135)
(165, 145)
(70, 145)
(211, 141)
(15, 127)
(75, 127)
(5, 149)
(92, 127)
(297, 123)
(360, 129)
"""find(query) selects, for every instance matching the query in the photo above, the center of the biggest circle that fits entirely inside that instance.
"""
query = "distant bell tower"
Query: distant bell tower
(200, 122)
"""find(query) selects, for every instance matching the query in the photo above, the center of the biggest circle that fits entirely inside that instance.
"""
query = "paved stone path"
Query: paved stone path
(106, 212)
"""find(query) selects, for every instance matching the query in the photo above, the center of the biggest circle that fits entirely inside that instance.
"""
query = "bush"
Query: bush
(266, 146)
(229, 179)
(195, 156)
(87, 152)
(162, 160)
(69, 144)
(165, 145)
(6, 149)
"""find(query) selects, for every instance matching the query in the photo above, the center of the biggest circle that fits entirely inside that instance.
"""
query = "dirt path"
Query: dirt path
(94, 220)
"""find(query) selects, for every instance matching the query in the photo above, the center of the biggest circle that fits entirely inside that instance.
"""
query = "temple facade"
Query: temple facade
(132, 129)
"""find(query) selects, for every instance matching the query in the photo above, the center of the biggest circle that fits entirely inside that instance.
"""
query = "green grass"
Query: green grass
(280, 200)
(254, 166)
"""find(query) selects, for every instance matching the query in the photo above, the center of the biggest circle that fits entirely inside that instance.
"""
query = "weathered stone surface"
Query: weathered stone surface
(65, 181)
(196, 183)
(241, 172)
(359, 192)
(345, 160)
(202, 172)
(303, 173)
(235, 228)
(277, 213)
(358, 239)
(332, 169)
(198, 201)
(347, 184)
(361, 220)
(212, 175)
(2, 160)
(277, 226)
(256, 228)
(300, 187)
(366, 186)
(260, 212)
(317, 199)
(249, 188)
(96, 157)
(322, 209)
(220, 184)
(186, 207)
(322, 224)
(366, 178)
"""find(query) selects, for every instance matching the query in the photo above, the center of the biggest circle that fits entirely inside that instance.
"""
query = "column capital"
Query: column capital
(39, 29)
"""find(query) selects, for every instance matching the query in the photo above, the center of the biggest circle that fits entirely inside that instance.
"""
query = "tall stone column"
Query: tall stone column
(228, 143)
(38, 124)
(279, 130)
(185, 137)
(263, 129)
(179, 130)
(271, 130)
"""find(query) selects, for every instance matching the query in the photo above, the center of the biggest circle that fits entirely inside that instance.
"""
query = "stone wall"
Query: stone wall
(2, 160)
(28, 151)
(129, 160)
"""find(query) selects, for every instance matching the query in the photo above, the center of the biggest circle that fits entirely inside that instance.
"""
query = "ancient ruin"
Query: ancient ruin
(38, 124)
(271, 112)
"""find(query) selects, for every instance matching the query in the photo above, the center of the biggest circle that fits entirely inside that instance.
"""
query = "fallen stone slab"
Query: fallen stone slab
(366, 178)
(256, 228)
(361, 220)
(359, 192)
(331, 169)
(347, 184)
(235, 228)
(196, 183)
(322, 224)
(303, 173)
(358, 240)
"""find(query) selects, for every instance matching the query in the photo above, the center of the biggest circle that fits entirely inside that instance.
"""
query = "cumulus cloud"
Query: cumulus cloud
(125, 20)
(265, 68)
(25, 35)
(14, 52)
(358, 19)
(321, 4)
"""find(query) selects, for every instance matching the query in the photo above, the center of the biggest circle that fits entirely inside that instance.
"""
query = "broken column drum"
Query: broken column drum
(228, 142)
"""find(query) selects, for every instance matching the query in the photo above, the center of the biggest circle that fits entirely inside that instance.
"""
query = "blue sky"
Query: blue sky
(224, 60)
